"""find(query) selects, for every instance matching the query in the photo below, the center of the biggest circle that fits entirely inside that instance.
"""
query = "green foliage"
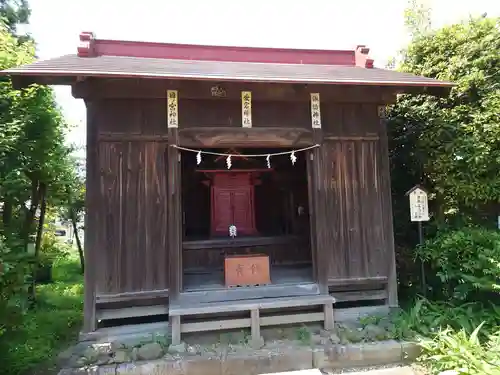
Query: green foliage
(425, 318)
(52, 248)
(460, 337)
(466, 262)
(33, 155)
(14, 12)
(462, 352)
(13, 288)
(452, 144)
(304, 335)
(41, 333)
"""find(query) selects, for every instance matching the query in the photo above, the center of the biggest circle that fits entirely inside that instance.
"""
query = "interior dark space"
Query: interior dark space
(276, 196)
(268, 205)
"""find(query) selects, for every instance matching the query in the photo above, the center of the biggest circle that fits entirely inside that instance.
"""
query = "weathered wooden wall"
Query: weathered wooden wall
(131, 231)
(356, 194)
(129, 188)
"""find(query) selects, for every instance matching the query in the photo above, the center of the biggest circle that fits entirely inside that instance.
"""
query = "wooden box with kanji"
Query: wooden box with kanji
(246, 270)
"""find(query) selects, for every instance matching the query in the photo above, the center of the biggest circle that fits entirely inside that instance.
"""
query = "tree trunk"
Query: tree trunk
(30, 214)
(7, 214)
(38, 241)
(78, 243)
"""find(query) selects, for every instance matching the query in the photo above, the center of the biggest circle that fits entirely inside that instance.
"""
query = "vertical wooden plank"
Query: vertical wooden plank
(111, 217)
(174, 215)
(91, 245)
(155, 216)
(386, 199)
(343, 244)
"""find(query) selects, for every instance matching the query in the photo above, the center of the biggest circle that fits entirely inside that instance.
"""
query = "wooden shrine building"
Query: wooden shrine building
(225, 180)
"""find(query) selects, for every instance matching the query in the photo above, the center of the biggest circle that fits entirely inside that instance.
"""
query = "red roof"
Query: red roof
(107, 58)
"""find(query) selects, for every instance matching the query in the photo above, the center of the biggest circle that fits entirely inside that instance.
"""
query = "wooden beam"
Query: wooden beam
(248, 305)
(366, 295)
(131, 296)
(238, 294)
(357, 280)
(127, 137)
(244, 137)
(223, 324)
(350, 138)
(132, 312)
(192, 89)
(239, 242)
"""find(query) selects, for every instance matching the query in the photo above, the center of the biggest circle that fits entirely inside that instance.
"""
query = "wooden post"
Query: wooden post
(329, 320)
(174, 215)
(257, 341)
(175, 323)
(385, 173)
(317, 199)
(91, 224)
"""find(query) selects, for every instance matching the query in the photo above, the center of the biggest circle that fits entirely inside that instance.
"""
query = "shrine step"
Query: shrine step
(253, 307)
(247, 293)
(247, 305)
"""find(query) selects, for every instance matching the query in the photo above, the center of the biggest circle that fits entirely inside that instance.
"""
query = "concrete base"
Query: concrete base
(268, 360)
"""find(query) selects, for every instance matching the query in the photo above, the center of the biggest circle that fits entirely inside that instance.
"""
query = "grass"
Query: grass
(461, 338)
(50, 327)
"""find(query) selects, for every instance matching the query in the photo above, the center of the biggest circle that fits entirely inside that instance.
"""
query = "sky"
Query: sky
(321, 24)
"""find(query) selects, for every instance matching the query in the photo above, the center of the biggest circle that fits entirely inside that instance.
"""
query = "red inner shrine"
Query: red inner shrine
(232, 200)
(232, 203)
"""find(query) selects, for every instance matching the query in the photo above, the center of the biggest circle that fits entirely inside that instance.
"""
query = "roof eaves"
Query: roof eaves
(222, 77)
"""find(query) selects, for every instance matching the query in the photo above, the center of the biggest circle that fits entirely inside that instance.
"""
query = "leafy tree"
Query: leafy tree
(452, 144)
(14, 12)
(35, 168)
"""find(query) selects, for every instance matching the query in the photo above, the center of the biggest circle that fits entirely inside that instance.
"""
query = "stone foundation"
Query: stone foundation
(270, 359)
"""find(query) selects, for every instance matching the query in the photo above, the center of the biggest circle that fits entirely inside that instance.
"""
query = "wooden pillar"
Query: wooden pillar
(175, 322)
(91, 245)
(329, 323)
(386, 198)
(174, 218)
(317, 195)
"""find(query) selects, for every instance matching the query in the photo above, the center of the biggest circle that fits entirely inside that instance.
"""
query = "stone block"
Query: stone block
(93, 370)
(107, 370)
(160, 367)
(410, 351)
(237, 364)
(200, 366)
(381, 353)
(150, 351)
(319, 358)
(357, 355)
(258, 362)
